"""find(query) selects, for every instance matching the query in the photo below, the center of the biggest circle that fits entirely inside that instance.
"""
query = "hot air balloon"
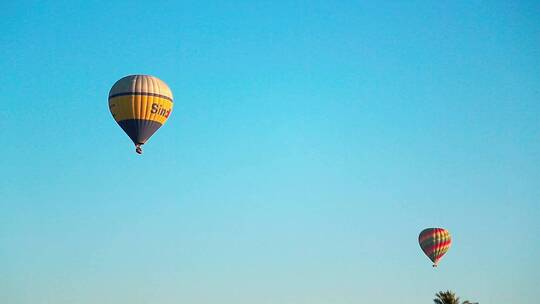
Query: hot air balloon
(435, 242)
(140, 104)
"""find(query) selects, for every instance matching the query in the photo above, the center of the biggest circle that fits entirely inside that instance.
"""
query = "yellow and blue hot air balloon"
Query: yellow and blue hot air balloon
(140, 104)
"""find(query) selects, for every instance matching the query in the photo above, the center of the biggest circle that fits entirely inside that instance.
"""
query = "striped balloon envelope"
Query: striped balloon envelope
(435, 242)
(140, 104)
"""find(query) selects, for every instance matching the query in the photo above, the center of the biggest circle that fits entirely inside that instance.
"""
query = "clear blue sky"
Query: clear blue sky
(309, 144)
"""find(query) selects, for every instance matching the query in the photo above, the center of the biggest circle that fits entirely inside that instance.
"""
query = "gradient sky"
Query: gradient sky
(310, 143)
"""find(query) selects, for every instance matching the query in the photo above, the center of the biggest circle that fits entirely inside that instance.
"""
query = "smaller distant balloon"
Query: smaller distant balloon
(435, 242)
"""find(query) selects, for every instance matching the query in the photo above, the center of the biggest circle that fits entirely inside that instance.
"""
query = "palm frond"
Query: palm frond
(446, 297)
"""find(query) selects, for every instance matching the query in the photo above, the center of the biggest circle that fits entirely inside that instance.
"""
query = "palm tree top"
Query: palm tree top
(448, 297)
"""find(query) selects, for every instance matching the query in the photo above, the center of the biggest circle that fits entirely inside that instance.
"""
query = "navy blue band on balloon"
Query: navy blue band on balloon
(139, 130)
(141, 94)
